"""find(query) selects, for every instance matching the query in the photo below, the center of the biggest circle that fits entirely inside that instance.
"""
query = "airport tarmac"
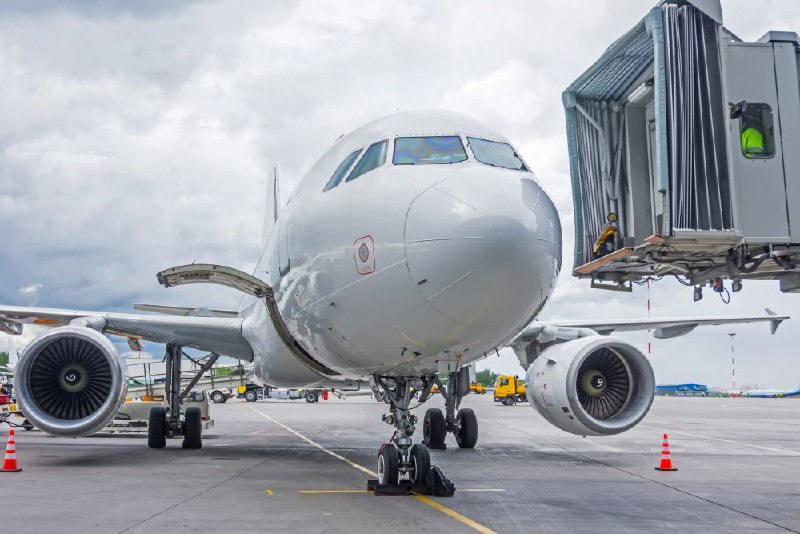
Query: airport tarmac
(291, 466)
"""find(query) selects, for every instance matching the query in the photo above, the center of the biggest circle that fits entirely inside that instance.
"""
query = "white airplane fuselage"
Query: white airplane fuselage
(406, 265)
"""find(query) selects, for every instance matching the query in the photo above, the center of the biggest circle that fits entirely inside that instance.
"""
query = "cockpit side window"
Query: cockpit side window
(374, 157)
(496, 154)
(428, 150)
(342, 169)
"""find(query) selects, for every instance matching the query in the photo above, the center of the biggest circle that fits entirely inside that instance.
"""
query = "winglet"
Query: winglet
(774, 323)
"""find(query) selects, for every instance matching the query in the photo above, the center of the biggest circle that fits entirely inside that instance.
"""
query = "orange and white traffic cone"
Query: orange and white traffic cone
(666, 457)
(10, 460)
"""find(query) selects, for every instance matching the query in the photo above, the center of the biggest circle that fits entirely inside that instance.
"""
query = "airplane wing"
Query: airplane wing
(222, 335)
(665, 328)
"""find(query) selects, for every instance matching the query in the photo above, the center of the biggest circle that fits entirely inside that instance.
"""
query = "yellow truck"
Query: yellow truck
(477, 388)
(509, 390)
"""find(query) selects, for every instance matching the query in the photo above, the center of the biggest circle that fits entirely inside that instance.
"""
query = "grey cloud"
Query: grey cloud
(139, 135)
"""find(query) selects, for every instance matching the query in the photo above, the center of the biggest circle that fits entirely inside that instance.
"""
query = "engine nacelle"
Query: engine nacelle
(591, 386)
(71, 381)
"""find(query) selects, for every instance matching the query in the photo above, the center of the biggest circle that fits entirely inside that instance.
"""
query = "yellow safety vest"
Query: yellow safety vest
(752, 142)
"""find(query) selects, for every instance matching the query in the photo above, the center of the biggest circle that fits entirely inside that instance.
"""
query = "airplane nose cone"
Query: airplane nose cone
(484, 249)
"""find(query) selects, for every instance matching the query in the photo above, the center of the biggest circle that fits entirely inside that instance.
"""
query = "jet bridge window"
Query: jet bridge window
(428, 150)
(374, 157)
(342, 169)
(496, 154)
(757, 131)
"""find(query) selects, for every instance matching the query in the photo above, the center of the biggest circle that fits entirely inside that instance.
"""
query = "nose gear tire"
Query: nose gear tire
(388, 465)
(421, 461)
(467, 425)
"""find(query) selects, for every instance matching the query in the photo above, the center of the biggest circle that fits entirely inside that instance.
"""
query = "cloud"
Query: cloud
(139, 136)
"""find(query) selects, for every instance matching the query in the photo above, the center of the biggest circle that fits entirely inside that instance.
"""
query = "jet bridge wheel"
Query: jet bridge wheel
(466, 428)
(193, 429)
(157, 428)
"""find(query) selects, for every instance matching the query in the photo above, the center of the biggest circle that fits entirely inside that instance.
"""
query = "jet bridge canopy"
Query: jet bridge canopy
(684, 147)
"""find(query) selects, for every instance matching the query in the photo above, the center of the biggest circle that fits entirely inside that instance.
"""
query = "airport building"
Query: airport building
(683, 390)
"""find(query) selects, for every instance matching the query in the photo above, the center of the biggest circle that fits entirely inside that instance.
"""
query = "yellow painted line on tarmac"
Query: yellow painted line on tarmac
(421, 498)
(269, 492)
(455, 515)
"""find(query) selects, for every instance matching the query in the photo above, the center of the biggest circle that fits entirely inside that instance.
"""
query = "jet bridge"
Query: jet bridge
(684, 145)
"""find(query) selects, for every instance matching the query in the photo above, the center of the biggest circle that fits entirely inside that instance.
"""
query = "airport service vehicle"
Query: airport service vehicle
(416, 245)
(509, 390)
(477, 388)
(221, 395)
(135, 415)
(254, 392)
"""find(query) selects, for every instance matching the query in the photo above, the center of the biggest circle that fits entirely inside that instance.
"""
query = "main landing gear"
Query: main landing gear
(166, 422)
(462, 424)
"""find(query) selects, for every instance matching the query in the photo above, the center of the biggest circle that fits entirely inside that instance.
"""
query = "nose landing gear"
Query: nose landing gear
(401, 458)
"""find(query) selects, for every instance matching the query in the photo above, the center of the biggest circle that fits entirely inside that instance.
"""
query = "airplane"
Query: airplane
(417, 244)
(772, 393)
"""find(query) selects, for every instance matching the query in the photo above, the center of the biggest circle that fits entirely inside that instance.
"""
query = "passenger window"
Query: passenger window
(757, 131)
(496, 154)
(504, 382)
(374, 157)
(341, 170)
(428, 150)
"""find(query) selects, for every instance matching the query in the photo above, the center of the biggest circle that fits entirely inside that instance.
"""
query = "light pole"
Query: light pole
(733, 361)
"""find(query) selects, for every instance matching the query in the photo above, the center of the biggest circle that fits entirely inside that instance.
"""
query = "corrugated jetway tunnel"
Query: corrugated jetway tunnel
(684, 146)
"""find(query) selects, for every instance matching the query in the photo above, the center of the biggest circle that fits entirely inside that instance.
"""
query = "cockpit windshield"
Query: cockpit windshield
(428, 150)
(496, 154)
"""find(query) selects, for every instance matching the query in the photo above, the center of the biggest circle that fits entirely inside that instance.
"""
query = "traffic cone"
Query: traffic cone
(666, 457)
(10, 460)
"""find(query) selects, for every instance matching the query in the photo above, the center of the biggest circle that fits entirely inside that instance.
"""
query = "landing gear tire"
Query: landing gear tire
(434, 429)
(388, 468)
(467, 424)
(218, 397)
(193, 429)
(250, 395)
(421, 463)
(157, 428)
(312, 396)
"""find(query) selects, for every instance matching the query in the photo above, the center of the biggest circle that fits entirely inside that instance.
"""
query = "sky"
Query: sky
(135, 136)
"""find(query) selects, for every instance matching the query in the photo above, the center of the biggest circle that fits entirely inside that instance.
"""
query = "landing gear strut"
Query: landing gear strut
(166, 422)
(463, 424)
(400, 457)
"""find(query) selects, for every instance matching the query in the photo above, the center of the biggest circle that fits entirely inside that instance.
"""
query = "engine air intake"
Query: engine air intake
(70, 378)
(603, 384)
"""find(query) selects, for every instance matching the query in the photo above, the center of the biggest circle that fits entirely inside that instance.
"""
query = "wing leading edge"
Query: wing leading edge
(664, 327)
(222, 335)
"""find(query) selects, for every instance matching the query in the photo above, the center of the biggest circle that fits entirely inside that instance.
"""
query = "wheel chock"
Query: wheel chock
(371, 483)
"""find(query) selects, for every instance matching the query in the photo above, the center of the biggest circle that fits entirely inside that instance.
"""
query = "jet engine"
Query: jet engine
(71, 381)
(591, 386)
